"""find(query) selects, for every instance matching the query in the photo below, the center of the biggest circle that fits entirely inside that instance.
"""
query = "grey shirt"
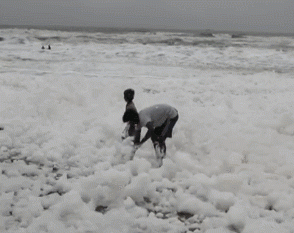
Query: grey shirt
(156, 114)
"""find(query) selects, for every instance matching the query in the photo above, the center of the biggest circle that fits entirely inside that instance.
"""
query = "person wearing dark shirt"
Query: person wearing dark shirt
(130, 128)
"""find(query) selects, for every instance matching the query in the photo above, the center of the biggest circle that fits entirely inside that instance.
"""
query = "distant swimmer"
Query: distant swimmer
(160, 120)
(1, 128)
(43, 47)
(49, 47)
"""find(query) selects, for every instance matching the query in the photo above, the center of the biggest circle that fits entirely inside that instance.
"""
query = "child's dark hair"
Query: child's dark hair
(129, 94)
(131, 115)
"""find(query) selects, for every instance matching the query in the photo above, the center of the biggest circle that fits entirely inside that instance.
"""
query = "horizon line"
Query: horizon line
(110, 29)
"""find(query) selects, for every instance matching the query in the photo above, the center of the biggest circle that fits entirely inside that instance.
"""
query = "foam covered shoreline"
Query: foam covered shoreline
(229, 165)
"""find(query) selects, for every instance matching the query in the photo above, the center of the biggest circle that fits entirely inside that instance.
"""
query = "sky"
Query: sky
(229, 15)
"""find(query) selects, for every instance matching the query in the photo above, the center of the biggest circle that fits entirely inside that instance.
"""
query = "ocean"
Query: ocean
(63, 164)
(200, 50)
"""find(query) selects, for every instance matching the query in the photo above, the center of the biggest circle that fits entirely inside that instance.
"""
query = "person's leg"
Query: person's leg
(125, 132)
(160, 148)
(131, 129)
(167, 131)
(160, 151)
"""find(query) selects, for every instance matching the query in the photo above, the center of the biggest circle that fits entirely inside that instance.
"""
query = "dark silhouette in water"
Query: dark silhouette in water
(43, 47)
(49, 47)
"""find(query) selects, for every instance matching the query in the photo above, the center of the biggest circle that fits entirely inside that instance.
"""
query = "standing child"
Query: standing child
(130, 128)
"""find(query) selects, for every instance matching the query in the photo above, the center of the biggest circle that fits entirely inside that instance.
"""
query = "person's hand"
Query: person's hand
(160, 139)
(137, 145)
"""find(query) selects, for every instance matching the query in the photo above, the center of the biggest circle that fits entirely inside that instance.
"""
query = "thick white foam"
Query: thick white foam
(229, 165)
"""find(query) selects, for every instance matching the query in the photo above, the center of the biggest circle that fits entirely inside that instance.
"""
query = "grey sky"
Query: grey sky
(231, 15)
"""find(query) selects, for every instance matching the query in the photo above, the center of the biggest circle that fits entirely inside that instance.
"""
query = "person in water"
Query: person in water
(160, 120)
(129, 96)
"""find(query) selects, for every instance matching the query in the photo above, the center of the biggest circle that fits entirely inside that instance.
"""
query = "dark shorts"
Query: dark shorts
(165, 130)
(132, 129)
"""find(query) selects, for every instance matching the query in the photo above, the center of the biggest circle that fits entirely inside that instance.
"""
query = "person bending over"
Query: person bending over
(160, 120)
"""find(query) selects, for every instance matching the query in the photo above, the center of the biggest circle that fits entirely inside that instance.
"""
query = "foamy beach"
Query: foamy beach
(229, 166)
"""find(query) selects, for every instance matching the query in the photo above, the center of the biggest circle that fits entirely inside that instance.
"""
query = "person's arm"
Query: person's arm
(149, 133)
